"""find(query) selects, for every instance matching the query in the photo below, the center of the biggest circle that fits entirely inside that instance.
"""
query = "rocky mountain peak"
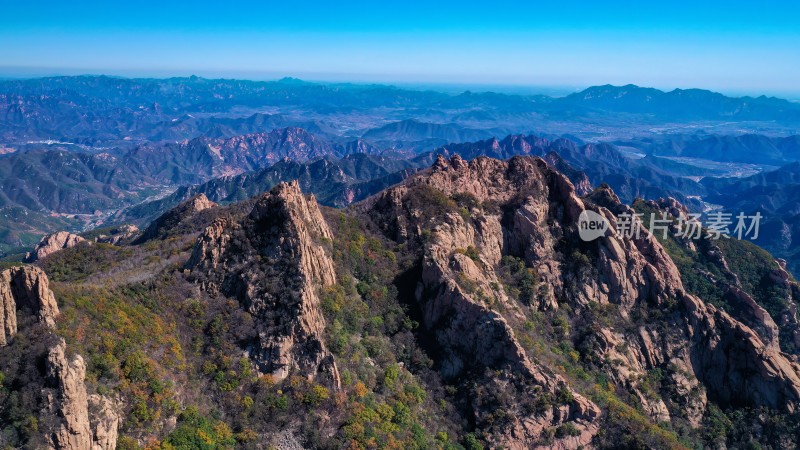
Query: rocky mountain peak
(525, 209)
(273, 261)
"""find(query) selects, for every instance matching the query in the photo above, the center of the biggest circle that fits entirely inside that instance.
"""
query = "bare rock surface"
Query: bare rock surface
(84, 422)
(27, 289)
(53, 243)
(273, 262)
(702, 352)
(72, 402)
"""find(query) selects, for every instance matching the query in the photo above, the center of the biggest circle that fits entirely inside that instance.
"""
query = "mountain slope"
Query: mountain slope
(459, 307)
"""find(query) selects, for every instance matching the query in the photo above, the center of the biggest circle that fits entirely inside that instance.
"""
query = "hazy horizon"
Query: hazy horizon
(336, 78)
(734, 47)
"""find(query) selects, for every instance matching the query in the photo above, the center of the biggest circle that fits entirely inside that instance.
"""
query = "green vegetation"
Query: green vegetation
(382, 366)
(82, 260)
(520, 282)
(170, 350)
(752, 265)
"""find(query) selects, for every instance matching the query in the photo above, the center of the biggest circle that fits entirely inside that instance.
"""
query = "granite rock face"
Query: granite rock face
(24, 289)
(702, 352)
(273, 262)
(53, 243)
(71, 404)
(77, 428)
(469, 318)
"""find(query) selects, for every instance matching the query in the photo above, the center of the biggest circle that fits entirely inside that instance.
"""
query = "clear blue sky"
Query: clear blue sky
(732, 46)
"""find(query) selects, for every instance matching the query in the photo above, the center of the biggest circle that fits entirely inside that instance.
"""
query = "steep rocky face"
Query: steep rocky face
(273, 263)
(579, 179)
(53, 243)
(691, 341)
(24, 289)
(460, 304)
(71, 404)
(524, 209)
(76, 429)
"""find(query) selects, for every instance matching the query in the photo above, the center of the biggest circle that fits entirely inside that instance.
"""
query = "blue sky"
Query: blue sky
(733, 46)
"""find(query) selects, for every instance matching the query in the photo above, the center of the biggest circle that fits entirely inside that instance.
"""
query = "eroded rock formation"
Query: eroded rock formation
(525, 209)
(456, 292)
(273, 262)
(27, 289)
(53, 243)
(77, 429)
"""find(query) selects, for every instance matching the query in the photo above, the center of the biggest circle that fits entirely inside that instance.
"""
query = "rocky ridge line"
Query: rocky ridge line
(704, 352)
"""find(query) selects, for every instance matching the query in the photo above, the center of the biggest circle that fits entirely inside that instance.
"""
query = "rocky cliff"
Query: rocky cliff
(274, 262)
(523, 208)
(24, 289)
(458, 294)
(70, 404)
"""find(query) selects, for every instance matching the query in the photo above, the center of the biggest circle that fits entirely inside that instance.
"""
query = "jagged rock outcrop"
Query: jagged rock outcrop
(779, 332)
(53, 243)
(530, 211)
(27, 289)
(76, 428)
(455, 292)
(273, 263)
(119, 235)
(578, 178)
(171, 219)
(71, 403)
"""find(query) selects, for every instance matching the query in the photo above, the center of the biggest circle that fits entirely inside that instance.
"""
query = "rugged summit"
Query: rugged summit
(524, 209)
(459, 307)
(457, 292)
(273, 262)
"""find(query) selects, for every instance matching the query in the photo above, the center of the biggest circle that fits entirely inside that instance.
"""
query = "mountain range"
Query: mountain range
(211, 264)
(458, 308)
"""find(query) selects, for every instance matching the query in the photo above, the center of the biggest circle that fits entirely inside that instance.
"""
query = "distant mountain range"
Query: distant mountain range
(776, 196)
(100, 109)
(746, 148)
(681, 104)
(75, 151)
